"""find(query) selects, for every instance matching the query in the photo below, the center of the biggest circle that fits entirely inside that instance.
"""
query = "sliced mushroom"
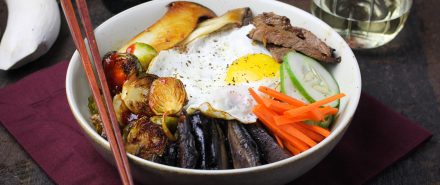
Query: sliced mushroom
(182, 16)
(237, 17)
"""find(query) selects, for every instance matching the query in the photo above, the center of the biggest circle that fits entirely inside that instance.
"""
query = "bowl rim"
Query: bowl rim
(345, 122)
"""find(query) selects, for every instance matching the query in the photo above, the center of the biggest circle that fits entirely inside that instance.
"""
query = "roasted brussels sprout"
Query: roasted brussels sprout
(97, 123)
(144, 139)
(171, 121)
(118, 67)
(93, 109)
(135, 93)
(144, 52)
(120, 110)
(167, 95)
(168, 123)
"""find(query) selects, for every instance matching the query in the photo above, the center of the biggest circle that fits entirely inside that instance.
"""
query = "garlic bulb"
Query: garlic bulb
(32, 28)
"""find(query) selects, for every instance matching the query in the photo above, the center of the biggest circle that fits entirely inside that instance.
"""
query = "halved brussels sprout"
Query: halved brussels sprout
(144, 52)
(167, 95)
(144, 139)
(168, 123)
(121, 110)
(93, 109)
(135, 93)
(118, 67)
(98, 125)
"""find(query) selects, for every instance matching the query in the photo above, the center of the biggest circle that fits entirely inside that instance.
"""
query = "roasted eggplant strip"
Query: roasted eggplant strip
(243, 148)
(200, 130)
(223, 127)
(270, 151)
(170, 156)
(187, 155)
(217, 150)
(220, 147)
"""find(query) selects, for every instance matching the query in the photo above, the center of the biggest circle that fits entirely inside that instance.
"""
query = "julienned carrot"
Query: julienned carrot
(313, 135)
(327, 110)
(324, 132)
(295, 151)
(284, 116)
(264, 115)
(279, 141)
(316, 115)
(257, 98)
(266, 121)
(277, 106)
(280, 96)
(283, 120)
(309, 107)
(319, 114)
(289, 129)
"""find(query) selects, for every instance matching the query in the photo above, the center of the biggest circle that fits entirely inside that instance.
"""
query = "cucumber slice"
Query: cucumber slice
(328, 120)
(310, 78)
(287, 85)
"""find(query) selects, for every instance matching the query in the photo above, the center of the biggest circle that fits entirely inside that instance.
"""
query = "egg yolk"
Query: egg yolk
(252, 67)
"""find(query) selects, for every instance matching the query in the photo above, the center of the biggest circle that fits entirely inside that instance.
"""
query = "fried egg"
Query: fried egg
(217, 71)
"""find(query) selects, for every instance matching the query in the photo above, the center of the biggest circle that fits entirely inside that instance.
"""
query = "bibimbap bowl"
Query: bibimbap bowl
(116, 31)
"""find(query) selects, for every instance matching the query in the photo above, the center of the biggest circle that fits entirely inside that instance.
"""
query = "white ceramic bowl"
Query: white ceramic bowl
(114, 32)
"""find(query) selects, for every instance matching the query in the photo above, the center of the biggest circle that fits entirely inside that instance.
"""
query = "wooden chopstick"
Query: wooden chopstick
(108, 118)
(85, 18)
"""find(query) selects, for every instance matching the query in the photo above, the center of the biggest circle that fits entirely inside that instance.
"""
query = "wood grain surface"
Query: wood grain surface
(404, 74)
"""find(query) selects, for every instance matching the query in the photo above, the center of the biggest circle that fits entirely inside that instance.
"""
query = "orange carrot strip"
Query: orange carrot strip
(292, 149)
(324, 132)
(327, 110)
(309, 107)
(277, 106)
(283, 120)
(298, 134)
(264, 115)
(270, 113)
(316, 115)
(257, 98)
(313, 135)
(280, 96)
(279, 141)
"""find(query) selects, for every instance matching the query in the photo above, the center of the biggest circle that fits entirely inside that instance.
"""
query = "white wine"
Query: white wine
(364, 23)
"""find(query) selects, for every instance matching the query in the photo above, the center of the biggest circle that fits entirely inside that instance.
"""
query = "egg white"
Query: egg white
(203, 67)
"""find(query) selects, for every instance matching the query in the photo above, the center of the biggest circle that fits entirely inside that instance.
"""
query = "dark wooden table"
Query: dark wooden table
(404, 74)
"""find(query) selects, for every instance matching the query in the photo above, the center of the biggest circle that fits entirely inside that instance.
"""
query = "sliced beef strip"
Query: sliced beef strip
(274, 20)
(277, 30)
(278, 52)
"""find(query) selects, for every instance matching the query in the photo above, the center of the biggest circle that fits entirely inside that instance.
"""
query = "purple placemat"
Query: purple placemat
(35, 111)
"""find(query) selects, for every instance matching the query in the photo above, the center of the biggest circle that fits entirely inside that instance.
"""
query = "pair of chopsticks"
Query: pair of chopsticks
(107, 113)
